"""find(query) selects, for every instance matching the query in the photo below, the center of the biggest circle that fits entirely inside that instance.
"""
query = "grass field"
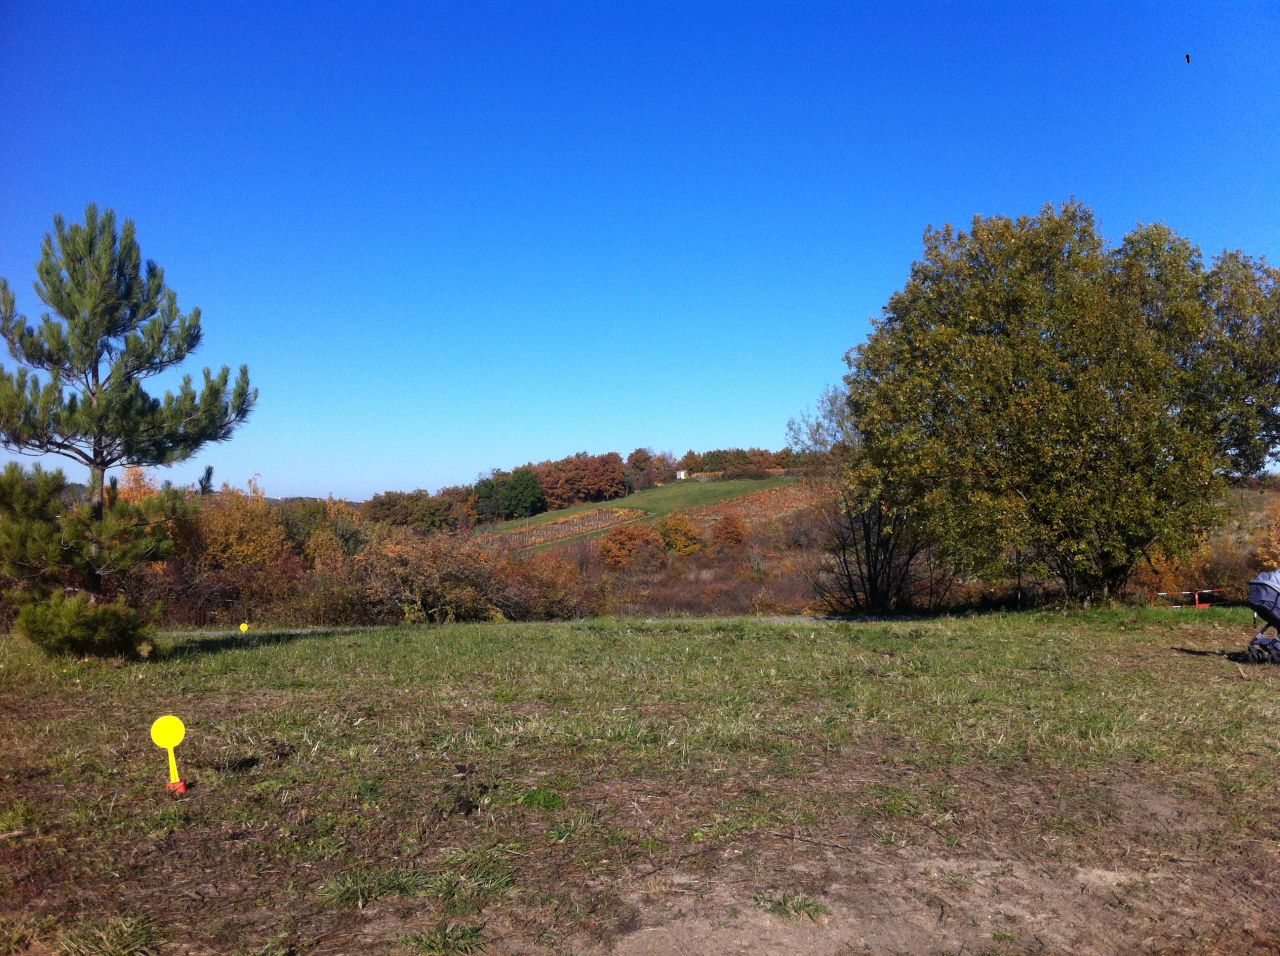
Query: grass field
(1085, 783)
(681, 496)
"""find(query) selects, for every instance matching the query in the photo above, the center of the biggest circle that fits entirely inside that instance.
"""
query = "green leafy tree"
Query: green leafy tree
(113, 323)
(49, 541)
(640, 470)
(77, 392)
(502, 495)
(30, 537)
(521, 494)
(486, 496)
(1030, 391)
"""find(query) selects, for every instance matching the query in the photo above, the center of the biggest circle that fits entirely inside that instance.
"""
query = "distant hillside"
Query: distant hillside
(588, 520)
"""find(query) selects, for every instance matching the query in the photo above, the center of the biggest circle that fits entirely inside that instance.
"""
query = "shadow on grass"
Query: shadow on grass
(960, 611)
(217, 643)
(1236, 657)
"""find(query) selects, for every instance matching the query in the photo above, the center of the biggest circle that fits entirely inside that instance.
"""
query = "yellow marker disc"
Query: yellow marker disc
(244, 628)
(168, 731)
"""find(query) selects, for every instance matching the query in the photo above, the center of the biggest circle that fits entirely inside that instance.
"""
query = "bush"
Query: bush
(744, 471)
(75, 625)
(542, 587)
(730, 534)
(328, 600)
(679, 534)
(234, 561)
(633, 547)
(441, 578)
(1225, 562)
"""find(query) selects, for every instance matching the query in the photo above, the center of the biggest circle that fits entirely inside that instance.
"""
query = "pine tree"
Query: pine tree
(113, 324)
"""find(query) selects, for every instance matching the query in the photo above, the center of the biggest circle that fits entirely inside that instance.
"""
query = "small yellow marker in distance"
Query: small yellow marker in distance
(167, 732)
(244, 628)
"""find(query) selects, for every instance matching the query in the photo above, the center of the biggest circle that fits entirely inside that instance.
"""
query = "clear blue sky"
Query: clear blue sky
(452, 236)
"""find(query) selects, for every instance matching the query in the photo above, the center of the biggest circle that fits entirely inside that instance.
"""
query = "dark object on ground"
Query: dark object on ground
(1264, 599)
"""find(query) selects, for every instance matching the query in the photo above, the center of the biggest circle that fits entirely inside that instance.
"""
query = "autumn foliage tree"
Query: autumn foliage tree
(412, 509)
(633, 547)
(136, 486)
(581, 478)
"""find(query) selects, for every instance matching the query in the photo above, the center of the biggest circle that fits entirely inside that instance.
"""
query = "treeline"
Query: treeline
(729, 463)
(578, 479)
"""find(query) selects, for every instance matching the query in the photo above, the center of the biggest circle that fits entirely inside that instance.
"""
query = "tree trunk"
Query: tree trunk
(97, 491)
(97, 505)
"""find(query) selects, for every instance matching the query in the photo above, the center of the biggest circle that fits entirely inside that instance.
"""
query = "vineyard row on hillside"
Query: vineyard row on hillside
(569, 526)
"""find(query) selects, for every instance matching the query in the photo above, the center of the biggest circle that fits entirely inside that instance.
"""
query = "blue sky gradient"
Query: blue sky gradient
(452, 236)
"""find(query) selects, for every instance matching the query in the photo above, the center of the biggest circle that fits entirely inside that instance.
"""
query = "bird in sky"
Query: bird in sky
(1188, 57)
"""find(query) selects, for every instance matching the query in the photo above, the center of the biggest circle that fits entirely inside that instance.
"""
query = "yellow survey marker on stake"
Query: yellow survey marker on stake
(167, 732)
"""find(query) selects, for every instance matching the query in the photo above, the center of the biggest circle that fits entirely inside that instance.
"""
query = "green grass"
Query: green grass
(788, 905)
(359, 888)
(18, 933)
(678, 496)
(470, 878)
(445, 940)
(546, 799)
(532, 773)
(120, 936)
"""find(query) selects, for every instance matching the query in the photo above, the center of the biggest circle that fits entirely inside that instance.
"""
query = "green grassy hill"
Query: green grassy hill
(681, 496)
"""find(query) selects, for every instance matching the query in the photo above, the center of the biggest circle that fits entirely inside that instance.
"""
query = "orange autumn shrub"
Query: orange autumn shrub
(679, 534)
(238, 529)
(237, 563)
(633, 547)
(136, 486)
(544, 587)
(730, 533)
(1226, 563)
(1267, 541)
(409, 577)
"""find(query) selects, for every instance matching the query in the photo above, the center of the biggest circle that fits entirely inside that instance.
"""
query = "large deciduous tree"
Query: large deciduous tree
(1035, 392)
(113, 323)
